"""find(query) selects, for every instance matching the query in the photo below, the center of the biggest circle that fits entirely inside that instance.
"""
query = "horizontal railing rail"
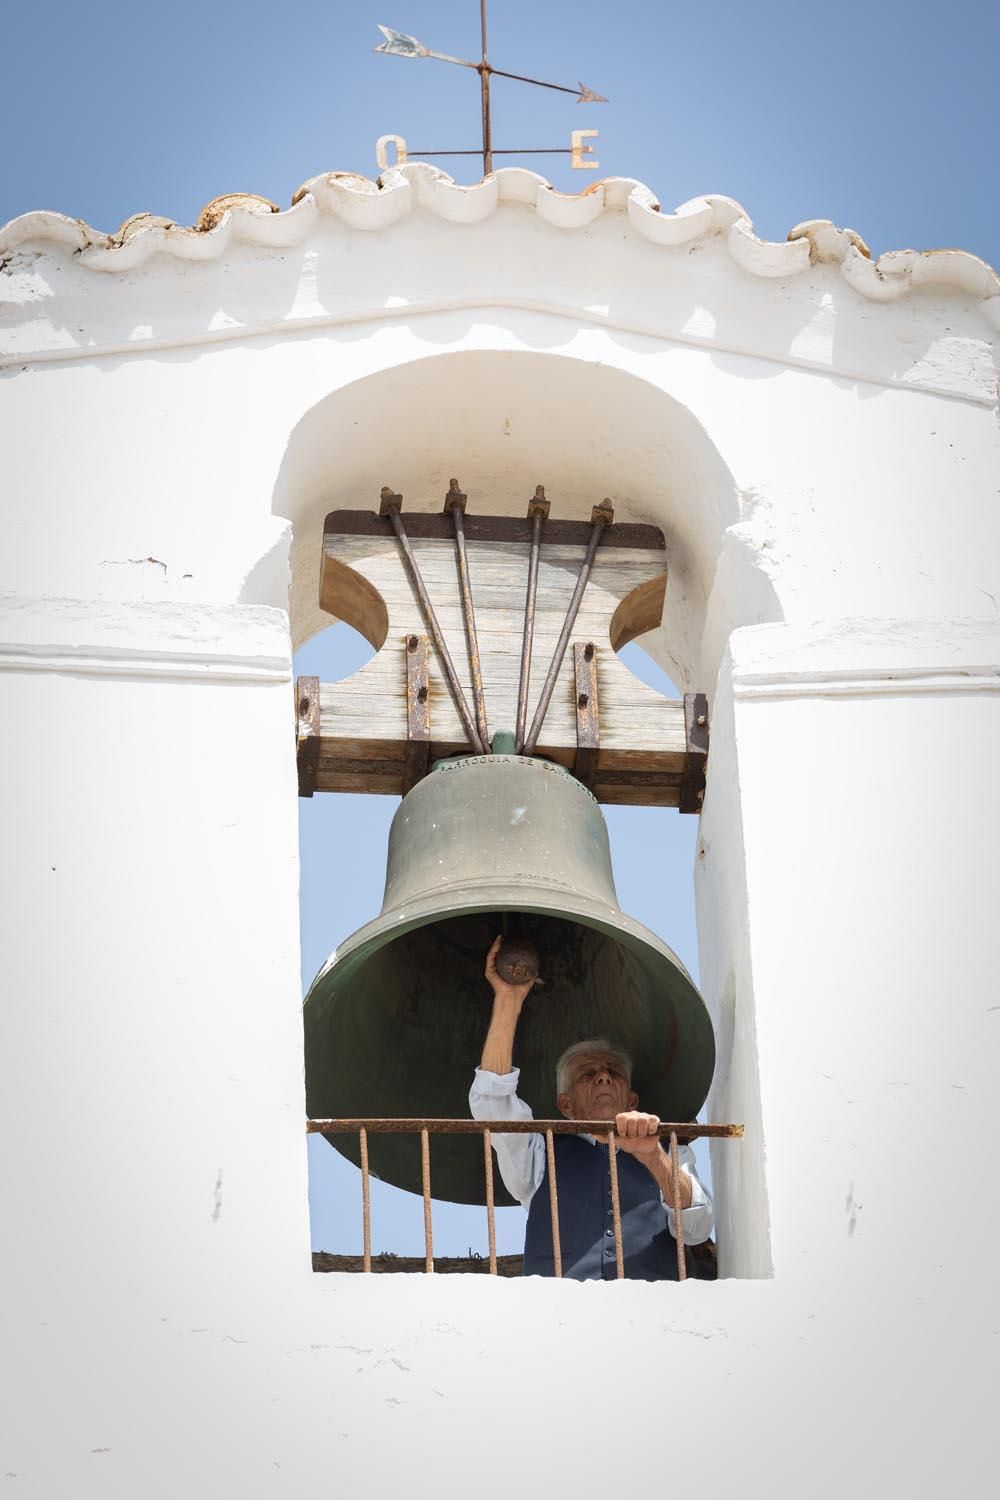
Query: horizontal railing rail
(674, 1131)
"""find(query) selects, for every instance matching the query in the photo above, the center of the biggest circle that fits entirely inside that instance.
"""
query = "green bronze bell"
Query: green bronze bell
(396, 1018)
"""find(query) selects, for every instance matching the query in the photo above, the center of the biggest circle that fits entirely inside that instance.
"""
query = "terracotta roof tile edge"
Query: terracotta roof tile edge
(370, 205)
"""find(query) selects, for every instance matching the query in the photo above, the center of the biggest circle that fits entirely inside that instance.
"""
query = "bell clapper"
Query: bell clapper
(517, 960)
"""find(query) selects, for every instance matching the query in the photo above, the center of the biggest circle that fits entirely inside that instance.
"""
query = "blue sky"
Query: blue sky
(880, 118)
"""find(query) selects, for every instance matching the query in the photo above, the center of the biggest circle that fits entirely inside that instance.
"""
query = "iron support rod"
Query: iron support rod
(550, 1152)
(616, 1206)
(529, 624)
(600, 520)
(440, 644)
(675, 1178)
(469, 614)
(686, 1130)
(490, 1219)
(366, 1207)
(425, 1178)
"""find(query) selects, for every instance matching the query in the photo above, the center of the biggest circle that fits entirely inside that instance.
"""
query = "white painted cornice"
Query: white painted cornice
(369, 205)
(194, 642)
(865, 658)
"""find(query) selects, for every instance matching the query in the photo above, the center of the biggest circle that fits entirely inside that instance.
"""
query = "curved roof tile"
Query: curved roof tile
(371, 205)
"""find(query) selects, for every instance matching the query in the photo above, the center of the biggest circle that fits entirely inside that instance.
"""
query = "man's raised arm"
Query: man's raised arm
(493, 1096)
(498, 1048)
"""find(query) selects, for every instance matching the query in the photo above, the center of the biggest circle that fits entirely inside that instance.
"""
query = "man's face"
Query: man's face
(598, 1088)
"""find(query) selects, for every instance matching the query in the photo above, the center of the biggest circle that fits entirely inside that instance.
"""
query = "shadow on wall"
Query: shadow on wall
(503, 422)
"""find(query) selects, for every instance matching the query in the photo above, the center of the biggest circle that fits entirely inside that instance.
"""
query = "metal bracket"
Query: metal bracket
(418, 712)
(692, 792)
(455, 499)
(307, 733)
(588, 726)
(539, 506)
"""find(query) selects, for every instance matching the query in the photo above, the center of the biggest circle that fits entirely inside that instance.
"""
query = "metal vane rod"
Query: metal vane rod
(538, 509)
(498, 151)
(602, 515)
(455, 503)
(484, 79)
(582, 93)
(390, 507)
(400, 44)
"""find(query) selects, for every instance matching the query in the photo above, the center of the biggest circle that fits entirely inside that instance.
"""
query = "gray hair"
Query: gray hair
(581, 1049)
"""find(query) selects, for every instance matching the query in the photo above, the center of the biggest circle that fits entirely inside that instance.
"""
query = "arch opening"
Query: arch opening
(504, 422)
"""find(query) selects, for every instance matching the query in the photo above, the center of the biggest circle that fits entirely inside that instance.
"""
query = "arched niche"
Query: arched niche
(502, 422)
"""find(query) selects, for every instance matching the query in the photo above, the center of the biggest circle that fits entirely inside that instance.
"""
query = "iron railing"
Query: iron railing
(676, 1131)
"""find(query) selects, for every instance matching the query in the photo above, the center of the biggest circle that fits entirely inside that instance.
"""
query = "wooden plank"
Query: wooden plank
(620, 773)
(432, 524)
(588, 714)
(418, 719)
(363, 720)
(692, 792)
(307, 711)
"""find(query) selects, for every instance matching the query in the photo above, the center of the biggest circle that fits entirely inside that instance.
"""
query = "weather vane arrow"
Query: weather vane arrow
(400, 44)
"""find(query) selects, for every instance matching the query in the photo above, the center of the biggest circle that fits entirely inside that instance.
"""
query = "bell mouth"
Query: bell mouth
(396, 1021)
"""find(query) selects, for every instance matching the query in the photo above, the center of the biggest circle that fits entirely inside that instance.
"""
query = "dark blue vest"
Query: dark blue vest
(586, 1228)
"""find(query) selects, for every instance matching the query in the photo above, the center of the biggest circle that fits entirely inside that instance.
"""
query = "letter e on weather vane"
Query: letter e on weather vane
(579, 150)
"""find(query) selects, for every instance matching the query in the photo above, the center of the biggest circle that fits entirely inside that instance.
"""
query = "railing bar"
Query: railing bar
(425, 1172)
(675, 1177)
(686, 1130)
(490, 1220)
(550, 1151)
(616, 1206)
(366, 1206)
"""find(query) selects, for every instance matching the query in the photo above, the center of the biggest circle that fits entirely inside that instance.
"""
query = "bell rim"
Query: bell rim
(472, 899)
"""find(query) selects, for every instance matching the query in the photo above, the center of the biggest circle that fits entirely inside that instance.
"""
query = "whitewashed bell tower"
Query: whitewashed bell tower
(817, 436)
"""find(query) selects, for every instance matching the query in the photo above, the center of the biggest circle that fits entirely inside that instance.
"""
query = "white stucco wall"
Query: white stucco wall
(825, 466)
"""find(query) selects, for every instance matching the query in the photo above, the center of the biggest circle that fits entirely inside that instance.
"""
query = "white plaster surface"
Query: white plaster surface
(825, 468)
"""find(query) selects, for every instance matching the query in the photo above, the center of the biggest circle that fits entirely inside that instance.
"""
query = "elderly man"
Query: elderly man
(594, 1083)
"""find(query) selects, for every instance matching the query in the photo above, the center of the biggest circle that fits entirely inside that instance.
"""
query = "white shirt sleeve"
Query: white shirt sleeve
(696, 1221)
(520, 1158)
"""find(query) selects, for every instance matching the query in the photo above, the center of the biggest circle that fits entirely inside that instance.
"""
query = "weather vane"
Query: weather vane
(398, 44)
